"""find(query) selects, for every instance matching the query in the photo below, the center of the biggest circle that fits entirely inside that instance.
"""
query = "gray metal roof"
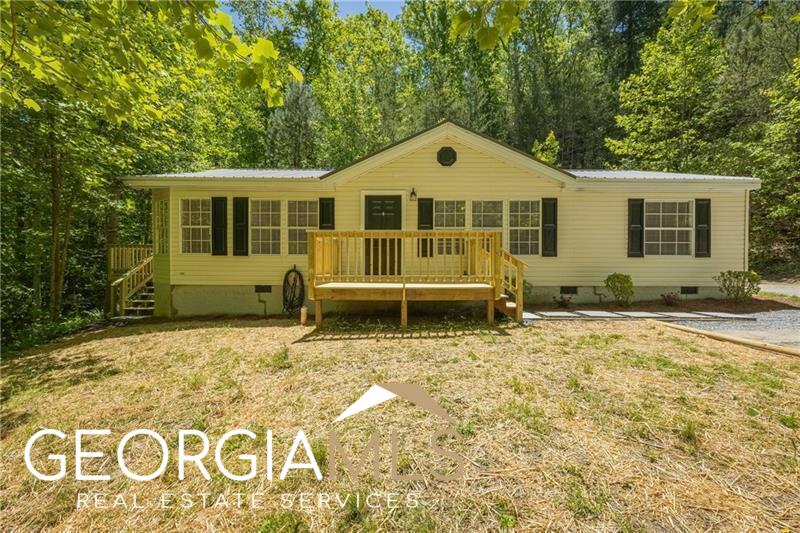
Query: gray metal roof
(636, 175)
(243, 173)
(316, 173)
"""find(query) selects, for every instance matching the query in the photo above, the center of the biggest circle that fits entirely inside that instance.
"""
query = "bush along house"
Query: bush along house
(446, 215)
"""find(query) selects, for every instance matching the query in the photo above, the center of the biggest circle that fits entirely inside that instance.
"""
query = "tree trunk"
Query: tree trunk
(112, 238)
(56, 190)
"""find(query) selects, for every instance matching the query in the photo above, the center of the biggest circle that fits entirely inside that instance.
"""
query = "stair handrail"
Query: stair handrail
(130, 283)
(513, 274)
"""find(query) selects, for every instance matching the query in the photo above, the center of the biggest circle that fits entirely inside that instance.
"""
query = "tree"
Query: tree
(488, 21)
(671, 108)
(776, 158)
(546, 150)
(292, 133)
(91, 51)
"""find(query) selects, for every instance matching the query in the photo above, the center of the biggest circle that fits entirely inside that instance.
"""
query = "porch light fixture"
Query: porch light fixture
(413, 195)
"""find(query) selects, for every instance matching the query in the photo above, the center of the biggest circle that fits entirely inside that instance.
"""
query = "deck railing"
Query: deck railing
(130, 283)
(404, 257)
(514, 280)
(130, 267)
(124, 257)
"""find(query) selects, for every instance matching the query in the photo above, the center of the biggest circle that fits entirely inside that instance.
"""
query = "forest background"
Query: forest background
(92, 91)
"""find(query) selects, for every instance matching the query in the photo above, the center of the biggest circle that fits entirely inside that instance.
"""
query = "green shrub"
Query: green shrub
(738, 285)
(621, 287)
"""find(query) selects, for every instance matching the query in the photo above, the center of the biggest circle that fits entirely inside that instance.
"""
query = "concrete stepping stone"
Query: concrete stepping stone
(640, 314)
(558, 314)
(719, 314)
(599, 314)
(530, 316)
(680, 314)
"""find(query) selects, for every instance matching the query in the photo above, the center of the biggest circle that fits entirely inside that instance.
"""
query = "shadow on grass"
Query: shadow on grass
(47, 367)
(358, 327)
(45, 371)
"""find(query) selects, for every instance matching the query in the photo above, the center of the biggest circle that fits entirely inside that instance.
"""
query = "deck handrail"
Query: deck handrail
(513, 271)
(405, 256)
(130, 283)
(123, 257)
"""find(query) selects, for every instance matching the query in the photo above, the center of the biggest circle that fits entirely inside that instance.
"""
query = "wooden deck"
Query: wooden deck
(405, 266)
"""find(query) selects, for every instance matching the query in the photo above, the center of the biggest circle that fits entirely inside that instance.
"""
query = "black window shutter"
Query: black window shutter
(635, 228)
(327, 213)
(702, 228)
(425, 213)
(241, 228)
(425, 222)
(549, 227)
(219, 225)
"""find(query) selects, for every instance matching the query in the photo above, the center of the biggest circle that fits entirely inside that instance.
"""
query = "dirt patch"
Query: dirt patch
(570, 425)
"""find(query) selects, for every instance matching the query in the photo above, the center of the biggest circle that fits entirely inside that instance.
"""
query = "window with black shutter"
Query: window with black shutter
(425, 222)
(327, 213)
(240, 226)
(635, 228)
(219, 225)
(549, 227)
(702, 228)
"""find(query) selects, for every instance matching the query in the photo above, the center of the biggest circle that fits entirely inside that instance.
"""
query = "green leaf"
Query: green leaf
(203, 48)
(247, 77)
(298, 76)
(224, 21)
(264, 49)
(32, 104)
(487, 38)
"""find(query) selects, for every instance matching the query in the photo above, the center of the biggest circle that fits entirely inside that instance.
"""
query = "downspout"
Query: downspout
(746, 254)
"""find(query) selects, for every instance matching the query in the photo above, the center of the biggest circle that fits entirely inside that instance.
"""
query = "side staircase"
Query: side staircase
(130, 276)
(142, 303)
(511, 302)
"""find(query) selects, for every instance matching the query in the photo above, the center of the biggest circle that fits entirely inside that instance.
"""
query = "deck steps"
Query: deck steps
(506, 306)
(143, 303)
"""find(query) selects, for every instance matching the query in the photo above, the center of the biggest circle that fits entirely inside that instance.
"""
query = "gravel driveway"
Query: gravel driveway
(777, 287)
(777, 327)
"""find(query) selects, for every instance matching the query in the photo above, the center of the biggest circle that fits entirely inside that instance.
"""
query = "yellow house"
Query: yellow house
(444, 215)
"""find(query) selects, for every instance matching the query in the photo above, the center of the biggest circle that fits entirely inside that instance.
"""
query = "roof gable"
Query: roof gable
(447, 130)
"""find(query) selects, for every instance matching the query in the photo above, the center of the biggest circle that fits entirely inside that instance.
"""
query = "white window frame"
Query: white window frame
(252, 226)
(537, 228)
(191, 226)
(482, 214)
(161, 227)
(289, 226)
(449, 246)
(659, 228)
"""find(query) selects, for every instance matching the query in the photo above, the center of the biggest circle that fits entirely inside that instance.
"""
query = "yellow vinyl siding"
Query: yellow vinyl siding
(161, 262)
(205, 269)
(592, 219)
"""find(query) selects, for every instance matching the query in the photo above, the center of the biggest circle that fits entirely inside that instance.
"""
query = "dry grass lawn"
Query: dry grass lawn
(564, 425)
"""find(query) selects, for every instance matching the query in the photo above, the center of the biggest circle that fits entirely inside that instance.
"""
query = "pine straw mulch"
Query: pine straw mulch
(563, 425)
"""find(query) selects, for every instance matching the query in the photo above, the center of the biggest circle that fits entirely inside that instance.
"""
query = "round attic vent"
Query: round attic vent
(446, 156)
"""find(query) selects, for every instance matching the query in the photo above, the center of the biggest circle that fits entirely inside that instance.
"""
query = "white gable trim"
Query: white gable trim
(448, 130)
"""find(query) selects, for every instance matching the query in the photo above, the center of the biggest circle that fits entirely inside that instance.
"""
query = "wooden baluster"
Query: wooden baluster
(311, 242)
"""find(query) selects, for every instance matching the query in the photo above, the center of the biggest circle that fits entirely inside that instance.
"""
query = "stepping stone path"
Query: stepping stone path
(682, 315)
(529, 317)
(725, 315)
(598, 314)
